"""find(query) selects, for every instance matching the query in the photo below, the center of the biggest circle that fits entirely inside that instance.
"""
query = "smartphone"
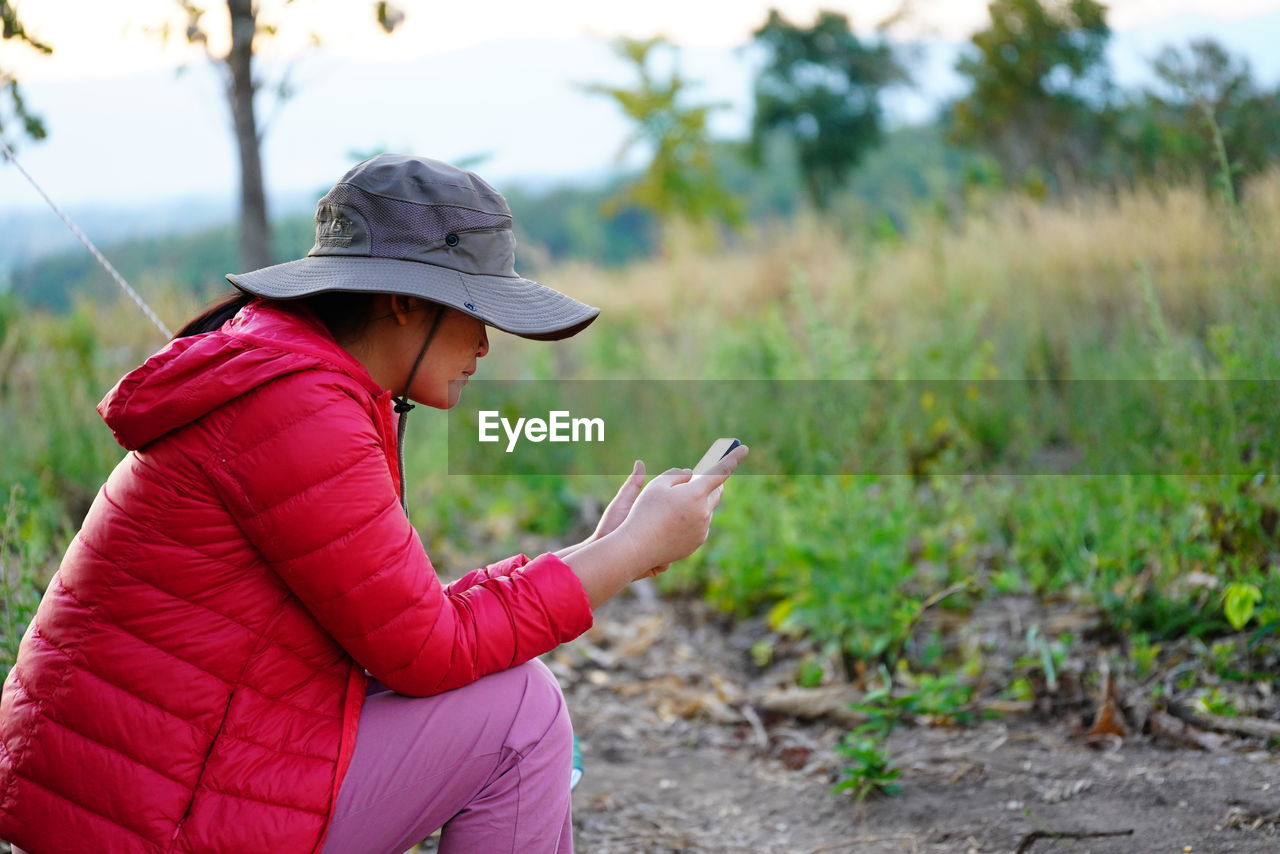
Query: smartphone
(714, 454)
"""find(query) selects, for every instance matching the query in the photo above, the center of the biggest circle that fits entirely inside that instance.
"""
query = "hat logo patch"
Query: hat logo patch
(335, 229)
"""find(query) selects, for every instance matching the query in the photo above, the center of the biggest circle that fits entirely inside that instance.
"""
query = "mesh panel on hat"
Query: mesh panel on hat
(397, 227)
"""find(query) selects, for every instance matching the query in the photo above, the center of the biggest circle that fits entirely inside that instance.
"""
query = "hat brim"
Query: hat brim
(510, 303)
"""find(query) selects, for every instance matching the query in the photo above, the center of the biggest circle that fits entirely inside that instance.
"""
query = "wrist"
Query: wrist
(568, 550)
(627, 551)
(603, 567)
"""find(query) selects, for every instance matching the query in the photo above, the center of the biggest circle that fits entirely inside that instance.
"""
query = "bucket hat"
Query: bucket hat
(411, 225)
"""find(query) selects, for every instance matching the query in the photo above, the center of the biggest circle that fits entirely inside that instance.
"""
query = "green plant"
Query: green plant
(810, 674)
(869, 770)
(1021, 689)
(1046, 655)
(1238, 603)
(1221, 656)
(1143, 653)
(1214, 702)
(939, 696)
(21, 549)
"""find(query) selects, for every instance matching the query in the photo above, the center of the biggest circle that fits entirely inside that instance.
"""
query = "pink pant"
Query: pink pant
(488, 762)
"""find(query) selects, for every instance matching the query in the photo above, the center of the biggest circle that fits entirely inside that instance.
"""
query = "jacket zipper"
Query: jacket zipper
(177, 828)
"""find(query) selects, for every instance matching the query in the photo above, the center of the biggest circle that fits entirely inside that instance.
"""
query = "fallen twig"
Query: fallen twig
(1251, 727)
(757, 726)
(1177, 731)
(827, 701)
(943, 594)
(1030, 839)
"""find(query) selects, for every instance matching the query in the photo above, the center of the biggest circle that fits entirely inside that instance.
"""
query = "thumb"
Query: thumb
(672, 477)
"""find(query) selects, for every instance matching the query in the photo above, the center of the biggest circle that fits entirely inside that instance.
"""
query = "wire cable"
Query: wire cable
(133, 295)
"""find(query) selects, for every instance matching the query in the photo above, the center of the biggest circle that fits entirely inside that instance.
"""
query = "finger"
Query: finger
(635, 481)
(715, 496)
(719, 473)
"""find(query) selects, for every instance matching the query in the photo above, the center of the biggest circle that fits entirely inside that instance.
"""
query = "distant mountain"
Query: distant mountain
(29, 234)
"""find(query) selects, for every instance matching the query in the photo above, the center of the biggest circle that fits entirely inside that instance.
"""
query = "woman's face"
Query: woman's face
(393, 340)
(459, 342)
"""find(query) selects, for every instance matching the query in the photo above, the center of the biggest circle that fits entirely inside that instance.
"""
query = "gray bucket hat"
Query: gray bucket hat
(410, 225)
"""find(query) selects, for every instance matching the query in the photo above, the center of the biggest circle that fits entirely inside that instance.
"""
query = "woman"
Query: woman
(246, 648)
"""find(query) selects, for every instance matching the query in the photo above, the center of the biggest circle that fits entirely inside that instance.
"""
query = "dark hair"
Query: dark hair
(345, 313)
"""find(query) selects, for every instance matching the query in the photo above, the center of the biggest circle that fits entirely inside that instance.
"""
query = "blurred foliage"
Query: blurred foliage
(1042, 104)
(29, 123)
(553, 225)
(1206, 107)
(680, 185)
(820, 87)
(1039, 82)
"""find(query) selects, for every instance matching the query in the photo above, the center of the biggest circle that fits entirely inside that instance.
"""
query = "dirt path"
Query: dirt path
(677, 760)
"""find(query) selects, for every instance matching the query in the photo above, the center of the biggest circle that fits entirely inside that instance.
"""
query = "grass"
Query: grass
(1157, 283)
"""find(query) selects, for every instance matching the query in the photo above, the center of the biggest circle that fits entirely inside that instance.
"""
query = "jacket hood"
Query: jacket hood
(192, 376)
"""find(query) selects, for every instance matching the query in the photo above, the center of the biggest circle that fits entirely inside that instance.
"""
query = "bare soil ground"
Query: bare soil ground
(685, 752)
(690, 746)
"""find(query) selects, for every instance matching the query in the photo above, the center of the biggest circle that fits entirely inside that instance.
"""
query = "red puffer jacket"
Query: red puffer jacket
(193, 678)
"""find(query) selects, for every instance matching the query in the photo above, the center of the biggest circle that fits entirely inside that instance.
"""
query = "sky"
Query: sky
(499, 79)
(94, 38)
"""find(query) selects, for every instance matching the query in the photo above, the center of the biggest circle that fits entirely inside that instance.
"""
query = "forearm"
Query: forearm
(605, 566)
(568, 550)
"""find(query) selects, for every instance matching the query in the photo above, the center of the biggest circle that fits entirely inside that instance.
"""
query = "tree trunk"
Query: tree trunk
(255, 228)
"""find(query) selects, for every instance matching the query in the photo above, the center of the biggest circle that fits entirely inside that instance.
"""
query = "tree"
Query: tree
(242, 87)
(1206, 115)
(821, 85)
(1039, 87)
(29, 123)
(680, 186)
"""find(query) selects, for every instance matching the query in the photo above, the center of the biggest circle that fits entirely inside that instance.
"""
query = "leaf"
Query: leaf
(1239, 602)
(778, 613)
(1108, 721)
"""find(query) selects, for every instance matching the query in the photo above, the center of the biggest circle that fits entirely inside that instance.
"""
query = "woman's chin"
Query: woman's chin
(454, 394)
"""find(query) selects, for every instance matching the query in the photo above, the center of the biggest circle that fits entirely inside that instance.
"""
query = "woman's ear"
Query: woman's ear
(401, 306)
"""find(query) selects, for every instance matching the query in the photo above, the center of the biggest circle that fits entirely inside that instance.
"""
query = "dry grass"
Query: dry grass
(1094, 263)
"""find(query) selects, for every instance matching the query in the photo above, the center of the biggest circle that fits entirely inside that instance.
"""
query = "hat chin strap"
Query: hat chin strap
(403, 406)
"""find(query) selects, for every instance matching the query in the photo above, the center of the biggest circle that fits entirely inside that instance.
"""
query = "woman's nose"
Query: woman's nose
(484, 345)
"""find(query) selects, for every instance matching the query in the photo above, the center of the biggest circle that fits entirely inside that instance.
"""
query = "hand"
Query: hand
(620, 506)
(671, 516)
(616, 513)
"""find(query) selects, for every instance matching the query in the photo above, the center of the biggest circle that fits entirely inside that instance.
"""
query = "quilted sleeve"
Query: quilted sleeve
(313, 492)
(501, 569)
